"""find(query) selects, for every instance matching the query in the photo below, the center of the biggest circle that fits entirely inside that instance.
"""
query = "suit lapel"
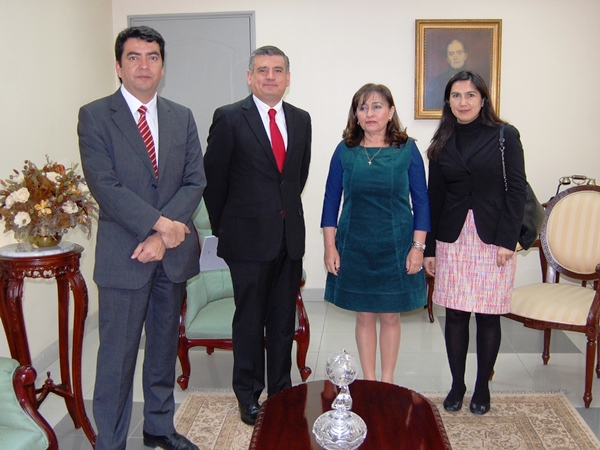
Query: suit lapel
(292, 132)
(454, 154)
(165, 135)
(256, 125)
(123, 119)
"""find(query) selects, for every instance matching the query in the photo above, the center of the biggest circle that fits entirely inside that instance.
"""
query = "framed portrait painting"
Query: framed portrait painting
(444, 48)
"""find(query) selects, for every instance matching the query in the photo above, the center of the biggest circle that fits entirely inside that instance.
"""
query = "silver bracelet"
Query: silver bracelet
(418, 245)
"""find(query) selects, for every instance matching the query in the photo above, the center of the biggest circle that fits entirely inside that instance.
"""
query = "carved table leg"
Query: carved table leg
(14, 325)
(80, 297)
(63, 347)
(13, 321)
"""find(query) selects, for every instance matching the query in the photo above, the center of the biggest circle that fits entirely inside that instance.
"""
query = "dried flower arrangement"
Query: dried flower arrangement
(46, 201)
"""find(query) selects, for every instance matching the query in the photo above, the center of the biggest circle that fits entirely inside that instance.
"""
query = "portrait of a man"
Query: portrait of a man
(446, 47)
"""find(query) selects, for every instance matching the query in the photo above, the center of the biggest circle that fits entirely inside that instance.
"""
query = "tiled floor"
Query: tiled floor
(422, 366)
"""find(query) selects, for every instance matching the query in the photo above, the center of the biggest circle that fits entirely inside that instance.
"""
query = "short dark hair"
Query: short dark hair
(395, 134)
(142, 32)
(268, 50)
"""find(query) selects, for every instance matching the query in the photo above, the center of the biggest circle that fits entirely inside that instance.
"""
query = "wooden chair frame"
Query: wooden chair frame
(24, 378)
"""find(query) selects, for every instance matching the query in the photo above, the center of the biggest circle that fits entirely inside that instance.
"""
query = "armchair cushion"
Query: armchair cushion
(210, 303)
(546, 302)
(210, 306)
(17, 429)
(202, 221)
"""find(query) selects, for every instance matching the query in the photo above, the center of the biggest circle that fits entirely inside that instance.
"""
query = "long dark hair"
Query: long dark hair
(446, 126)
(395, 134)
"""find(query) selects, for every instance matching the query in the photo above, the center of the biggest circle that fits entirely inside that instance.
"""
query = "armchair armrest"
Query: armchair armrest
(21, 425)
(24, 377)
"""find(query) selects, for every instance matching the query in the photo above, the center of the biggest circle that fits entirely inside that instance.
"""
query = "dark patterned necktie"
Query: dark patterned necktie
(147, 136)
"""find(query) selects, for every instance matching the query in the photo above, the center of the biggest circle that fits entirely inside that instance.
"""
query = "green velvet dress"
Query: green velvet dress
(374, 235)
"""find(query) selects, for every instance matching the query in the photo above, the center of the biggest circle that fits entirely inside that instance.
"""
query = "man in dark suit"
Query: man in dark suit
(144, 251)
(253, 200)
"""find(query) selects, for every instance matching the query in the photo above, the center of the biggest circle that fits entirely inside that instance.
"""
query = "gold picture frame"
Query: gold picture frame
(443, 47)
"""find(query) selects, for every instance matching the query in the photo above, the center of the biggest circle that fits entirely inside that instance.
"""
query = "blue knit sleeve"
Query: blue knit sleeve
(418, 191)
(333, 190)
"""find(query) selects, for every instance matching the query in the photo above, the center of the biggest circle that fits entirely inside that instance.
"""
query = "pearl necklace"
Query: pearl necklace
(370, 159)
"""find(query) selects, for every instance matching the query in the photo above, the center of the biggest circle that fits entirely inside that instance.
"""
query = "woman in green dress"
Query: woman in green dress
(374, 253)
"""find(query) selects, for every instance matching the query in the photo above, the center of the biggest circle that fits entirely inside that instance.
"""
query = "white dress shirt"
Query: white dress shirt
(263, 110)
(151, 114)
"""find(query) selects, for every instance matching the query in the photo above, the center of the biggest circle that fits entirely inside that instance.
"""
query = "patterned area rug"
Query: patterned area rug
(515, 422)
(519, 421)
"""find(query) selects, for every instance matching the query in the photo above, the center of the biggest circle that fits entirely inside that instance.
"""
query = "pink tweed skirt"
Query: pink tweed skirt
(467, 277)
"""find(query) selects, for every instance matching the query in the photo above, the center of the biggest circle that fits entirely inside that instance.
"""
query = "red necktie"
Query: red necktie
(276, 140)
(147, 136)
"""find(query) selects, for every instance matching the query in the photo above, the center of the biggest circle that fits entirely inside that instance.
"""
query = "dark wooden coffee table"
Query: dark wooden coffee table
(397, 418)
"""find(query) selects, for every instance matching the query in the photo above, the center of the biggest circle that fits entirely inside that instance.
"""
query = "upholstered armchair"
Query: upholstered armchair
(570, 246)
(208, 311)
(21, 425)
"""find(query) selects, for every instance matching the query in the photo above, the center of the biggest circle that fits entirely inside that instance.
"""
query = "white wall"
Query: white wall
(549, 65)
(56, 56)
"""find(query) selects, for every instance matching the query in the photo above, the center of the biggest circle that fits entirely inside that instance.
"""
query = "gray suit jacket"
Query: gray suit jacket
(121, 179)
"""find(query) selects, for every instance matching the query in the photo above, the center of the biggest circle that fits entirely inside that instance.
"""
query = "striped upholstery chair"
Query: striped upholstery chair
(570, 242)
(208, 310)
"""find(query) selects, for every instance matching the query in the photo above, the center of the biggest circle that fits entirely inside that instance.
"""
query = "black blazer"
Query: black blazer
(456, 185)
(246, 196)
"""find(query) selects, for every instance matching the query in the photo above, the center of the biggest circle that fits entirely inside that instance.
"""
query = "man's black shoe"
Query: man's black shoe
(174, 441)
(248, 413)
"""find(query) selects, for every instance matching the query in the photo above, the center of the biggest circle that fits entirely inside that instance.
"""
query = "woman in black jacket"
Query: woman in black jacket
(477, 201)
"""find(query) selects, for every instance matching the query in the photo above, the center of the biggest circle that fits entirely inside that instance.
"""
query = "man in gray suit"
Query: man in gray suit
(145, 249)
(257, 163)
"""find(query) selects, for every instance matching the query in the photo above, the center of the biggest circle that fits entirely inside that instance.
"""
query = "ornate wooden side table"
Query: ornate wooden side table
(60, 262)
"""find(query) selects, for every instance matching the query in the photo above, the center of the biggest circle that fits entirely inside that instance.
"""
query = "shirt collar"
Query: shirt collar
(263, 108)
(134, 104)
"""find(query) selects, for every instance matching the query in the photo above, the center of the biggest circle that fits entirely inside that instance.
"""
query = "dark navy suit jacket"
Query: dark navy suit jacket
(246, 196)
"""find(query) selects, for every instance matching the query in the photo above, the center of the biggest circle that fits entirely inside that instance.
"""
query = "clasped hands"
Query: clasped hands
(169, 234)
